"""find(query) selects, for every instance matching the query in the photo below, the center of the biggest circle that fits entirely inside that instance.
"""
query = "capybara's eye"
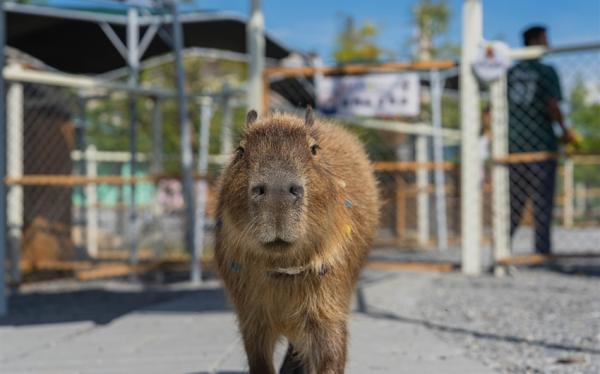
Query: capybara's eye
(239, 152)
(313, 149)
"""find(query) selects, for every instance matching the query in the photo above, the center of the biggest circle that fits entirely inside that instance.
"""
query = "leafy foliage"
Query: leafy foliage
(357, 44)
(585, 117)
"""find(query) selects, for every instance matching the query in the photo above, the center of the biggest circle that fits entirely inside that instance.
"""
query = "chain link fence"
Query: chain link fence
(77, 202)
(539, 194)
(551, 195)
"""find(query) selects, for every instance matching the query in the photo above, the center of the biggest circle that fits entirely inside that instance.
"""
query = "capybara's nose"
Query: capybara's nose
(296, 190)
(277, 191)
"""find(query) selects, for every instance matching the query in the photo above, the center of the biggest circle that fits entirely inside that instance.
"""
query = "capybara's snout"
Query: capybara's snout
(277, 202)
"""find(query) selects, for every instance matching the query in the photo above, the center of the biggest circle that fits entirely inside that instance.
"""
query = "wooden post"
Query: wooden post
(400, 197)
(569, 193)
(580, 199)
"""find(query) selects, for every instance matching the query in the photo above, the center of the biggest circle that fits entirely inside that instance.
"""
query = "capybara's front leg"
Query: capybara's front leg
(329, 354)
(259, 345)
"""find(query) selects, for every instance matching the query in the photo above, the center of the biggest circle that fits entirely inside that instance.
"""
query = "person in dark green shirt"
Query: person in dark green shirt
(534, 95)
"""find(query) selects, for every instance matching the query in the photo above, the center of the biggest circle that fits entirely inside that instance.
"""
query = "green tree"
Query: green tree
(431, 20)
(357, 44)
(585, 117)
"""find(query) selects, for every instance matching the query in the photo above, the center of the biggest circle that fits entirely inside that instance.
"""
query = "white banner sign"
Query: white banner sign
(370, 95)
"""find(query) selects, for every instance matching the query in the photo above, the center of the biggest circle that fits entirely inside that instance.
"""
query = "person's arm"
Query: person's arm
(556, 114)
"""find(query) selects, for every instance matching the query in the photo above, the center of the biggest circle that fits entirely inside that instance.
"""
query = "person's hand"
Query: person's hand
(570, 137)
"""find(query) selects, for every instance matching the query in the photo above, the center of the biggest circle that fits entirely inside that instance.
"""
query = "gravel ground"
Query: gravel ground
(533, 321)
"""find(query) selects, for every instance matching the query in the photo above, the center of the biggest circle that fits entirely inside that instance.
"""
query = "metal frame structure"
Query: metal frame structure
(3, 186)
(132, 51)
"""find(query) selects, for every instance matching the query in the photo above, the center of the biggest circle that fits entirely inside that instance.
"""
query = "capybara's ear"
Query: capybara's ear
(309, 117)
(251, 117)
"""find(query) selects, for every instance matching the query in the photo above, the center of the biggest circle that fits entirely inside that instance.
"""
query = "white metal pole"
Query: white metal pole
(3, 143)
(438, 156)
(133, 39)
(227, 124)
(255, 43)
(14, 149)
(157, 134)
(569, 192)
(202, 189)
(500, 182)
(91, 194)
(471, 166)
(423, 193)
(157, 168)
(185, 132)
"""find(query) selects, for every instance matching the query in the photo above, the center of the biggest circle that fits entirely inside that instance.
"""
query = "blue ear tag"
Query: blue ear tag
(235, 267)
(348, 203)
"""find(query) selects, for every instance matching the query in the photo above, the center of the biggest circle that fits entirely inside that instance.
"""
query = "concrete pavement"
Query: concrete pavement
(196, 333)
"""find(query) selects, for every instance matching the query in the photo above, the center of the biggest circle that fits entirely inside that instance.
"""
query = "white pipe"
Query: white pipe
(422, 194)
(500, 178)
(471, 166)
(438, 156)
(202, 189)
(255, 44)
(14, 153)
(91, 195)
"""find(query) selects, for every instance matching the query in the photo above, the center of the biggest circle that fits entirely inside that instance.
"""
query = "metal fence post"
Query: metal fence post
(438, 156)
(157, 134)
(133, 58)
(80, 144)
(184, 124)
(157, 169)
(3, 237)
(91, 194)
(202, 188)
(471, 197)
(14, 149)
(500, 183)
(422, 190)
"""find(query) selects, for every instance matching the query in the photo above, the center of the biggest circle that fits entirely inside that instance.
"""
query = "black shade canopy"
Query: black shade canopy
(73, 41)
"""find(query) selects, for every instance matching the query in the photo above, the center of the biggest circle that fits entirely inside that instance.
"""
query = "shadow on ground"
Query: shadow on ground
(588, 267)
(101, 305)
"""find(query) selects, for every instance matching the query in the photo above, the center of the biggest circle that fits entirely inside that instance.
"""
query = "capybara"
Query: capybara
(297, 211)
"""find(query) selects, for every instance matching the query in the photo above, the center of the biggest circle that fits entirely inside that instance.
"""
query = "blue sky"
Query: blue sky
(312, 24)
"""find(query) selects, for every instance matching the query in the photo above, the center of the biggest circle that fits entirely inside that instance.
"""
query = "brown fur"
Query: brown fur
(332, 229)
